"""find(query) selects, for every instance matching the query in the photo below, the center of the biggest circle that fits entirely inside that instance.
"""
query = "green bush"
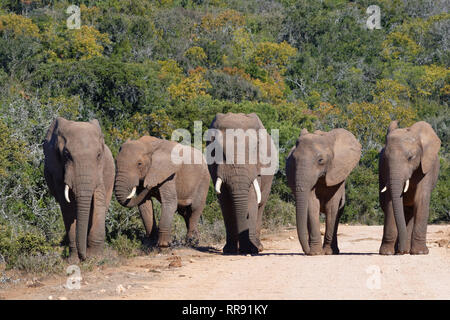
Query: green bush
(29, 250)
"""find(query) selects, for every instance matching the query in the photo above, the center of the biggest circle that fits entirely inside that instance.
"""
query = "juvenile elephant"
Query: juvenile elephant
(243, 187)
(79, 170)
(147, 168)
(316, 169)
(409, 169)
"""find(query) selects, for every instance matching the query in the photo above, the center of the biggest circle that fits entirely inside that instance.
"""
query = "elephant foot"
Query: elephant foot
(315, 253)
(230, 248)
(163, 240)
(82, 257)
(327, 250)
(192, 241)
(73, 258)
(260, 246)
(387, 249)
(94, 252)
(248, 247)
(163, 244)
(419, 249)
(315, 250)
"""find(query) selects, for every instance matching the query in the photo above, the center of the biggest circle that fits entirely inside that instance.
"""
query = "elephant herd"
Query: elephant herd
(81, 174)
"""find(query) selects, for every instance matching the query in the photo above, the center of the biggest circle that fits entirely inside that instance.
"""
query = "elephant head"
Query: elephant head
(329, 155)
(237, 165)
(74, 153)
(141, 165)
(406, 150)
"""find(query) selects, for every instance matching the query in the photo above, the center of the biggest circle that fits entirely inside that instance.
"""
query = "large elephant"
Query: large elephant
(316, 170)
(243, 187)
(409, 169)
(148, 168)
(79, 170)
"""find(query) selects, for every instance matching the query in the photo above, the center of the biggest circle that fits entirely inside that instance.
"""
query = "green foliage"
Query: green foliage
(28, 250)
(362, 204)
(125, 246)
(278, 213)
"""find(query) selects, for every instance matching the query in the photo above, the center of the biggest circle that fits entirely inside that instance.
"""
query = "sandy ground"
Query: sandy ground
(280, 272)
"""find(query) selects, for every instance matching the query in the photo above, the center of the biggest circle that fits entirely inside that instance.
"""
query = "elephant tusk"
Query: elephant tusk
(66, 193)
(384, 189)
(133, 192)
(258, 191)
(406, 186)
(218, 185)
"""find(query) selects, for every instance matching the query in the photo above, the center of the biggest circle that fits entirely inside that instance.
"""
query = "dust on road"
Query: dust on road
(280, 272)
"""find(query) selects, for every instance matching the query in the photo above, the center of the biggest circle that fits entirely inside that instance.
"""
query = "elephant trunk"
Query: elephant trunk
(301, 210)
(84, 192)
(247, 236)
(123, 190)
(396, 189)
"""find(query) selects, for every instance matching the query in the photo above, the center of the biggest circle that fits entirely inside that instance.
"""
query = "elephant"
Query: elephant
(408, 172)
(243, 187)
(146, 168)
(316, 169)
(79, 171)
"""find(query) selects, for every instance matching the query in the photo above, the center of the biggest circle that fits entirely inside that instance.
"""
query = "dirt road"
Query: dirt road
(280, 272)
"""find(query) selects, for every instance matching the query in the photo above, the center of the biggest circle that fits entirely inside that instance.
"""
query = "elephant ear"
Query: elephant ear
(51, 146)
(162, 165)
(430, 143)
(96, 124)
(53, 167)
(270, 166)
(392, 126)
(347, 152)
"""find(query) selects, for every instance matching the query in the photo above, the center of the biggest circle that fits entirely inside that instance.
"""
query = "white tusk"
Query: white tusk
(258, 191)
(406, 186)
(218, 185)
(66, 193)
(384, 189)
(133, 192)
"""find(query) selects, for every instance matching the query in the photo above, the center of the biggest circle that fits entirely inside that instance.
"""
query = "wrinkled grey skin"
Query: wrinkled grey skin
(241, 212)
(410, 154)
(316, 170)
(147, 164)
(76, 156)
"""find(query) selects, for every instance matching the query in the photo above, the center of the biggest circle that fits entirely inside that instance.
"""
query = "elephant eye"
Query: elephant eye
(140, 164)
(321, 161)
(410, 158)
(66, 154)
(99, 155)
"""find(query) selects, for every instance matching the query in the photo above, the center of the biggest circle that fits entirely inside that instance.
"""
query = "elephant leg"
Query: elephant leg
(231, 245)
(409, 219)
(70, 222)
(148, 218)
(419, 231)
(192, 222)
(333, 210)
(168, 208)
(96, 235)
(196, 210)
(259, 226)
(390, 228)
(315, 239)
(265, 191)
